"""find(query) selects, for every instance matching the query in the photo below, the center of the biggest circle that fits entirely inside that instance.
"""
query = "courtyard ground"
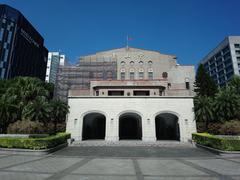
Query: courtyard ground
(121, 163)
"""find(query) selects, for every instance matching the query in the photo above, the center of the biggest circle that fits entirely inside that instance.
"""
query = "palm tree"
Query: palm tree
(234, 83)
(59, 112)
(227, 104)
(203, 110)
(37, 110)
(26, 89)
(8, 111)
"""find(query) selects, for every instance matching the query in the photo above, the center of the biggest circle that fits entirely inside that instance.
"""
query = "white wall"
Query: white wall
(146, 107)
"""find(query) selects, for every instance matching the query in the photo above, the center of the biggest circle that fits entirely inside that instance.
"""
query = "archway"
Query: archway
(94, 125)
(130, 126)
(167, 127)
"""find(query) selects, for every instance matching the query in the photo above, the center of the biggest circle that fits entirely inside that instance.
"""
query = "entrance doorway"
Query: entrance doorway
(167, 127)
(130, 126)
(94, 125)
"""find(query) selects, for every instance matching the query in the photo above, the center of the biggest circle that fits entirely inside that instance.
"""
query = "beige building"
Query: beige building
(143, 95)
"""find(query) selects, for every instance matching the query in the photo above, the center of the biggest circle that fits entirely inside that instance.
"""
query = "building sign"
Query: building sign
(29, 38)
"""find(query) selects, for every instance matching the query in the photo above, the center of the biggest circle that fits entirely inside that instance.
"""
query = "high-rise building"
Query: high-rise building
(22, 51)
(223, 61)
(55, 59)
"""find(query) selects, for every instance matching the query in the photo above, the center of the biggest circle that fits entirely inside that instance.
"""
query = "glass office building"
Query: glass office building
(224, 61)
(22, 51)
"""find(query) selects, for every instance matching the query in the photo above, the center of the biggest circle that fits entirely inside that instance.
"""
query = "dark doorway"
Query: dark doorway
(167, 127)
(94, 125)
(130, 126)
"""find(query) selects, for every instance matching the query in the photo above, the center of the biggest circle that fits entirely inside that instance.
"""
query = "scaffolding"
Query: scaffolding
(80, 75)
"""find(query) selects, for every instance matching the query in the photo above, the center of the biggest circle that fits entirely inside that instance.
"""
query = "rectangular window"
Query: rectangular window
(237, 45)
(141, 75)
(97, 93)
(238, 59)
(122, 75)
(187, 85)
(150, 75)
(131, 75)
(237, 51)
(115, 93)
(141, 93)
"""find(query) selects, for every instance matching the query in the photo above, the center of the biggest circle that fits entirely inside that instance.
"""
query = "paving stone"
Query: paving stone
(84, 177)
(22, 176)
(108, 166)
(166, 167)
(219, 165)
(50, 165)
(236, 159)
(171, 152)
(180, 178)
(14, 160)
(236, 177)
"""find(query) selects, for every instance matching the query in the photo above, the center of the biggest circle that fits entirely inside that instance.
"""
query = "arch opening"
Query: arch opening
(130, 126)
(94, 126)
(167, 127)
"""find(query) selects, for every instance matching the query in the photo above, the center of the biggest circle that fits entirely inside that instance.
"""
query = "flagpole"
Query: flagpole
(127, 41)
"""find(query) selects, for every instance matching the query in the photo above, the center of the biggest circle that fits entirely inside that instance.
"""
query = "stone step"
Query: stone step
(130, 143)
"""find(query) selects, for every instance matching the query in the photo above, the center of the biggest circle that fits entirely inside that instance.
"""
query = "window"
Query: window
(122, 75)
(237, 51)
(141, 75)
(141, 93)
(97, 93)
(150, 62)
(164, 74)
(187, 85)
(237, 45)
(131, 75)
(131, 63)
(140, 62)
(115, 93)
(122, 63)
(150, 75)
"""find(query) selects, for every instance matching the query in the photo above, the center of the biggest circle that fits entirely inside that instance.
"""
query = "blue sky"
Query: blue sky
(186, 28)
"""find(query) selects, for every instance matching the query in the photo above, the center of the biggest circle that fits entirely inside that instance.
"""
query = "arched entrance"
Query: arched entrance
(130, 126)
(167, 127)
(94, 125)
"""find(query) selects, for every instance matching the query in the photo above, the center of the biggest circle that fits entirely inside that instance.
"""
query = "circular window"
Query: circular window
(164, 74)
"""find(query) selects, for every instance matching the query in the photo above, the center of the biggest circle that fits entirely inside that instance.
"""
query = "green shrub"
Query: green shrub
(34, 143)
(230, 128)
(216, 142)
(26, 127)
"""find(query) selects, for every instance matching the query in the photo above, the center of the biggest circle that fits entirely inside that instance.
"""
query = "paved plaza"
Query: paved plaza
(121, 163)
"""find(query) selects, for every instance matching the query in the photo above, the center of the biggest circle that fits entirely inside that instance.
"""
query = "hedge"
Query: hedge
(34, 143)
(220, 143)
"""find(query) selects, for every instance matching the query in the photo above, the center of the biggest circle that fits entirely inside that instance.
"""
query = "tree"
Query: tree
(37, 110)
(227, 104)
(234, 83)
(59, 112)
(203, 107)
(8, 111)
(204, 84)
(26, 89)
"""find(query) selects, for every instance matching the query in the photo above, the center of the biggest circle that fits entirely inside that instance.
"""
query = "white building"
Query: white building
(150, 99)
(55, 59)
(223, 61)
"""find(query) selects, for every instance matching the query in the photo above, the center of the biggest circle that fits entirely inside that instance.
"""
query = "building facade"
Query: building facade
(55, 59)
(223, 61)
(143, 95)
(22, 51)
